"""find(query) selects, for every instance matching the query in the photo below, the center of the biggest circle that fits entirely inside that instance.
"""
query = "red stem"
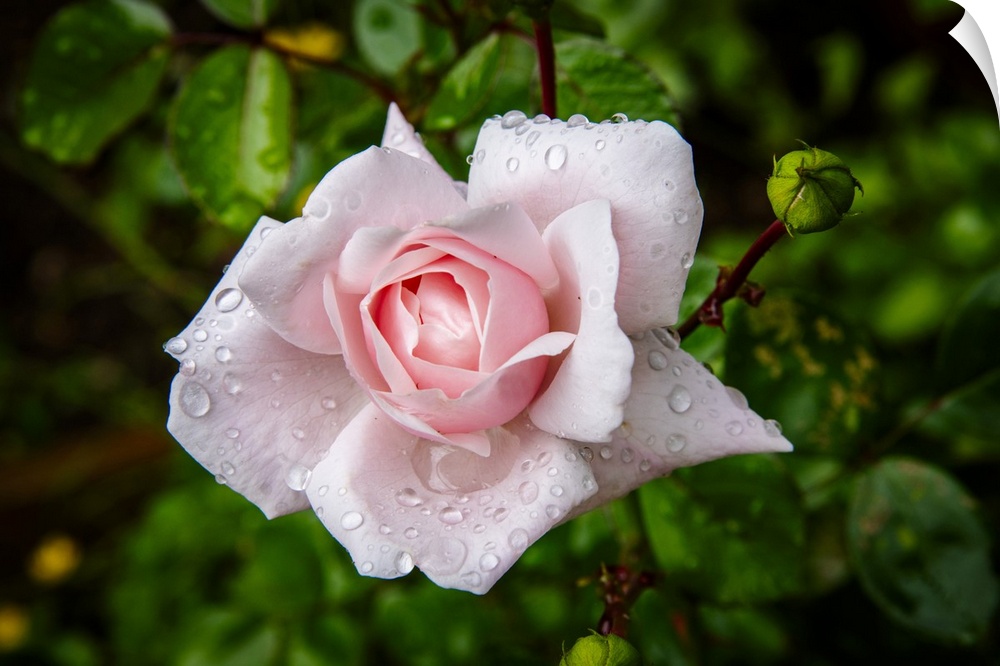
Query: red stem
(546, 65)
(729, 286)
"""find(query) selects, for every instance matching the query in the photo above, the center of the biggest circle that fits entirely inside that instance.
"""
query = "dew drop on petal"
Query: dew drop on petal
(323, 490)
(188, 367)
(328, 403)
(555, 156)
(668, 337)
(411, 533)
(366, 567)
(512, 119)
(587, 453)
(199, 335)
(351, 520)
(676, 443)
(404, 562)
(737, 397)
(194, 400)
(408, 497)
(627, 455)
(500, 515)
(687, 260)
(228, 300)
(594, 298)
(657, 360)
(576, 120)
(599, 145)
(232, 384)
(644, 465)
(489, 562)
(556, 491)
(298, 433)
(518, 539)
(232, 433)
(384, 529)
(772, 428)
(450, 516)
(680, 216)
(734, 428)
(298, 477)
(528, 492)
(228, 468)
(223, 354)
(175, 345)
(317, 207)
(679, 399)
(512, 164)
(553, 512)
(619, 118)
(530, 140)
(606, 452)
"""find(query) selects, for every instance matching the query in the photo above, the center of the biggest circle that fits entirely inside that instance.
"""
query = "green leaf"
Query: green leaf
(230, 133)
(387, 32)
(466, 88)
(599, 80)
(920, 552)
(970, 412)
(968, 348)
(230, 638)
(96, 67)
(803, 366)
(732, 530)
(268, 585)
(242, 13)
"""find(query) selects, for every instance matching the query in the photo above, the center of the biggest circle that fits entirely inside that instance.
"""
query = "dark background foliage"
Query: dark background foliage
(875, 347)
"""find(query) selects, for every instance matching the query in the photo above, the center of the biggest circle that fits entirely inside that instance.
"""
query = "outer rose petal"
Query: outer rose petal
(400, 135)
(586, 397)
(678, 415)
(644, 170)
(395, 501)
(379, 187)
(251, 408)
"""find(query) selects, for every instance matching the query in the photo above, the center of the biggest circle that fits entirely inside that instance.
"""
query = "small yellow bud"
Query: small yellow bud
(811, 190)
(597, 650)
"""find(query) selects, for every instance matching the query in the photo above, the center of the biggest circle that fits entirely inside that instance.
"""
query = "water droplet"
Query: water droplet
(619, 118)
(699, 424)
(479, 529)
(657, 360)
(687, 261)
(527, 465)
(352, 201)
(552, 471)
(627, 455)
(480, 156)
(175, 345)
(276, 376)
(199, 335)
(489, 562)
(232, 433)
(366, 568)
(540, 118)
(512, 119)
(772, 428)
(676, 370)
(644, 465)
(351, 520)
(298, 433)
(600, 144)
(500, 515)
(328, 403)
(528, 492)
(408, 497)
(679, 399)
(606, 452)
(194, 400)
(669, 184)
(444, 555)
(738, 399)
(553, 512)
(734, 428)
(223, 354)
(341, 491)
(576, 120)
(232, 384)
(512, 164)
(668, 337)
(323, 490)
(384, 529)
(680, 216)
(228, 468)
(221, 480)
(676, 443)
(594, 298)
(587, 454)
(188, 367)
(556, 491)
(450, 516)
(404, 562)
(228, 300)
(531, 138)
(469, 160)
(555, 156)
(298, 477)
(411, 533)
(570, 456)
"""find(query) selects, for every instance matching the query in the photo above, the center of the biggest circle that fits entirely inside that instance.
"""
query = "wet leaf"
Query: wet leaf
(466, 88)
(96, 67)
(242, 13)
(230, 133)
(387, 33)
(920, 551)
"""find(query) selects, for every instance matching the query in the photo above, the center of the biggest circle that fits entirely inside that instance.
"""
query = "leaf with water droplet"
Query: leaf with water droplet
(732, 530)
(234, 155)
(920, 551)
(95, 69)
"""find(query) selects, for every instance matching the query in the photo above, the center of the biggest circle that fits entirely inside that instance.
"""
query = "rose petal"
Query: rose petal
(251, 408)
(394, 501)
(645, 170)
(379, 187)
(678, 415)
(400, 135)
(586, 398)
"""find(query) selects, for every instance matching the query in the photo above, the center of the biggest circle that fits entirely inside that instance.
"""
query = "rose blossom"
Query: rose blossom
(443, 375)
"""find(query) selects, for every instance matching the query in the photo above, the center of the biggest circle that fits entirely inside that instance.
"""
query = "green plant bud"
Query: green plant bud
(810, 190)
(597, 650)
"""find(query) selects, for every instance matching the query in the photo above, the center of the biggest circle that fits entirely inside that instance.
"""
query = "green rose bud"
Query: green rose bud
(810, 190)
(597, 650)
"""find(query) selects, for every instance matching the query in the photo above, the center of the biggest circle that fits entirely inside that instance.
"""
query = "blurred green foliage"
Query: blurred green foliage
(138, 148)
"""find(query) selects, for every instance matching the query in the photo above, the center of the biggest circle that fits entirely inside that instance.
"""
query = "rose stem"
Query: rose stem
(728, 287)
(621, 589)
(546, 65)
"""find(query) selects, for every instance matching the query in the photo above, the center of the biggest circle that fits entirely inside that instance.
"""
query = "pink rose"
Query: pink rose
(442, 376)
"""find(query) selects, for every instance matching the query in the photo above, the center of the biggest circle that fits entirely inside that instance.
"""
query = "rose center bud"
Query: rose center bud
(446, 334)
